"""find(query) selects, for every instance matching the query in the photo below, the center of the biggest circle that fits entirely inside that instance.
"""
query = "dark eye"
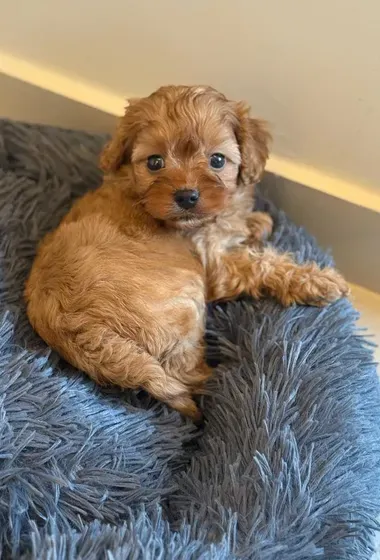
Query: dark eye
(155, 163)
(217, 161)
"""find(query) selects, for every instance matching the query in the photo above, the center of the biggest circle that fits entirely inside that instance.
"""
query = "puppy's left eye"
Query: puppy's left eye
(155, 163)
(217, 161)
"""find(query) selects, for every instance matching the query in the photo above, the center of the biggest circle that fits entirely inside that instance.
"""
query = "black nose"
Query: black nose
(186, 198)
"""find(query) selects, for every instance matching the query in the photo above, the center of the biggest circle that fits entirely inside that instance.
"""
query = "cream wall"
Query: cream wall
(312, 68)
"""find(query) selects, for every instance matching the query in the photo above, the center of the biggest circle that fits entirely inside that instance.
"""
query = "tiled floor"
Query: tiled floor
(368, 303)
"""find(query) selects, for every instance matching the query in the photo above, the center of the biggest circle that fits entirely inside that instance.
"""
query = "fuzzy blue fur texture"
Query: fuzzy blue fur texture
(287, 466)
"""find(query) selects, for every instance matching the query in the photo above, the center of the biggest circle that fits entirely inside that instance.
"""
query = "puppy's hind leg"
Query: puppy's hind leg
(108, 357)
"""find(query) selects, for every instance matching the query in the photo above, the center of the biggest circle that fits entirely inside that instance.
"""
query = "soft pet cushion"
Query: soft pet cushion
(286, 467)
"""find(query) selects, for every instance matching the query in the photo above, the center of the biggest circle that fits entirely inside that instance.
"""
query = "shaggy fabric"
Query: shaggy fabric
(286, 467)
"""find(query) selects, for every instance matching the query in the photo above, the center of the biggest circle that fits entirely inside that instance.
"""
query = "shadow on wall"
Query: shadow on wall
(347, 228)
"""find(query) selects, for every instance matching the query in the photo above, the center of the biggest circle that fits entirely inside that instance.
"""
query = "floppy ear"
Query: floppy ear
(118, 149)
(254, 138)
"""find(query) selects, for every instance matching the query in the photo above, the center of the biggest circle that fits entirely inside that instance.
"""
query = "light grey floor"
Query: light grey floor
(368, 303)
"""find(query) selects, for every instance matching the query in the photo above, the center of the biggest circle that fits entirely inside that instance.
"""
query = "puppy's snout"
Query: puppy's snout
(186, 198)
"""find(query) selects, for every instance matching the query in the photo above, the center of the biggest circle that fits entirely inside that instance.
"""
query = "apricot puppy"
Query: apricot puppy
(120, 288)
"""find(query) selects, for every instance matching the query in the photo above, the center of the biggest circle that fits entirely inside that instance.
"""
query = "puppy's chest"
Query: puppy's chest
(218, 238)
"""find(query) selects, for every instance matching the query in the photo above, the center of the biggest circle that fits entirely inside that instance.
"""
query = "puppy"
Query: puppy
(120, 288)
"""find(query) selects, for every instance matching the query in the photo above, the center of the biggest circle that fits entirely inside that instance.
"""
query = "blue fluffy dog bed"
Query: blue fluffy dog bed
(287, 466)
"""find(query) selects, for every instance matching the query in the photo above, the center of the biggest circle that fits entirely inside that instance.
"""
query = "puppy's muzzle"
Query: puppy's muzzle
(186, 198)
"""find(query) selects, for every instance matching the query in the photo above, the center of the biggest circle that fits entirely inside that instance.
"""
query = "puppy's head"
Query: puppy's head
(188, 150)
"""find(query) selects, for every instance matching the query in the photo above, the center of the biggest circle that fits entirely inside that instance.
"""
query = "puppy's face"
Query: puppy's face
(188, 149)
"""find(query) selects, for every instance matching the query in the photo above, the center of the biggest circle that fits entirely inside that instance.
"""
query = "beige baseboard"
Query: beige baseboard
(348, 222)
(25, 102)
(368, 304)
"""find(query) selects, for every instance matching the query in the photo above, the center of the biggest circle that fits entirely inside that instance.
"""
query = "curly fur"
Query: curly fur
(120, 288)
(288, 463)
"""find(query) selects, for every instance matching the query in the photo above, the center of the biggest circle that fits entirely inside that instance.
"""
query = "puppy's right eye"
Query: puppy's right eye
(155, 163)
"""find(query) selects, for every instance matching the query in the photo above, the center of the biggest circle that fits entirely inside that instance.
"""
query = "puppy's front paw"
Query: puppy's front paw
(321, 288)
(260, 226)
